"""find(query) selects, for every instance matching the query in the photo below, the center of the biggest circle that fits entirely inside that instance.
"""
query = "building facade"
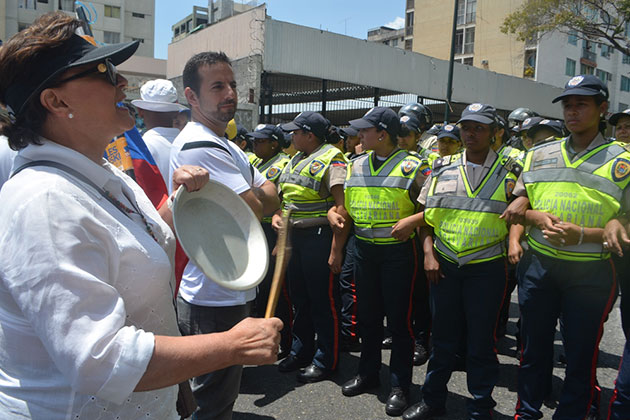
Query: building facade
(114, 20)
(553, 59)
(388, 36)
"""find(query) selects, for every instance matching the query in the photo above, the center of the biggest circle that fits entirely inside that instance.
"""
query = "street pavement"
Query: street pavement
(267, 394)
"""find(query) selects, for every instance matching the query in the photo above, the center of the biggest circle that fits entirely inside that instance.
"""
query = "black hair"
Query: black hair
(191, 70)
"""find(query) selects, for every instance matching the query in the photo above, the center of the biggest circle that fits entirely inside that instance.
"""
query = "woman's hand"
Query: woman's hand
(515, 252)
(276, 221)
(335, 261)
(403, 228)
(563, 233)
(515, 212)
(616, 237)
(335, 220)
(432, 267)
(192, 177)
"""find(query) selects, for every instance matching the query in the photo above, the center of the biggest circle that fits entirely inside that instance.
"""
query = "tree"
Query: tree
(603, 21)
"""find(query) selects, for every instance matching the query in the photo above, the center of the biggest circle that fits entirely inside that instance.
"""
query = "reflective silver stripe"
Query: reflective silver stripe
(264, 167)
(495, 179)
(322, 206)
(585, 248)
(466, 203)
(601, 158)
(380, 181)
(295, 172)
(492, 251)
(574, 176)
(301, 180)
(372, 233)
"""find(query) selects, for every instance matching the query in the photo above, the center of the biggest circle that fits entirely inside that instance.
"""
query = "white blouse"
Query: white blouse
(83, 288)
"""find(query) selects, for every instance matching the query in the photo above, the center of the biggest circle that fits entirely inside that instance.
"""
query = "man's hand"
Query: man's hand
(192, 177)
(256, 341)
(276, 221)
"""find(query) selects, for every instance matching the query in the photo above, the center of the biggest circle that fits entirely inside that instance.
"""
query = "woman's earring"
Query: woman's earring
(71, 115)
(380, 139)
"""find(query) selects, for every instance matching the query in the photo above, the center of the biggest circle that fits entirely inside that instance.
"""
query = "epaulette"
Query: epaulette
(625, 146)
(441, 162)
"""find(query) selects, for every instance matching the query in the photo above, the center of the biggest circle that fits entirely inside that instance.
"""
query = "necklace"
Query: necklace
(127, 210)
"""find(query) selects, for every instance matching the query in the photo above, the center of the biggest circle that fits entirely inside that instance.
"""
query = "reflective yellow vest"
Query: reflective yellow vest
(465, 221)
(587, 192)
(513, 152)
(377, 198)
(270, 170)
(301, 180)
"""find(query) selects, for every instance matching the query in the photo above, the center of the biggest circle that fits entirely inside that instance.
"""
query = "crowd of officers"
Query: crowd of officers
(431, 227)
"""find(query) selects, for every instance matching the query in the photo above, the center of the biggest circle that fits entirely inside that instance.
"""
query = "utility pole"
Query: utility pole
(449, 84)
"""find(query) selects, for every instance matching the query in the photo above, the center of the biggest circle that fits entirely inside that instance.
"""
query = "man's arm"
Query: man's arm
(267, 194)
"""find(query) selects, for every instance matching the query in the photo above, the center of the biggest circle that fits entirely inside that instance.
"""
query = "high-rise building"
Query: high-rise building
(114, 20)
(553, 59)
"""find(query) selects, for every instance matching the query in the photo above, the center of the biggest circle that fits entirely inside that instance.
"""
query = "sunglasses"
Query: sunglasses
(105, 68)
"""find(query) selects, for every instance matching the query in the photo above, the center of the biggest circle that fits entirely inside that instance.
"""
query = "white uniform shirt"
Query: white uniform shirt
(228, 169)
(159, 140)
(83, 288)
(6, 160)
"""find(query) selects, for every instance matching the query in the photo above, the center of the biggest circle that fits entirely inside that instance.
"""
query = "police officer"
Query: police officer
(536, 130)
(415, 119)
(310, 184)
(621, 122)
(268, 141)
(575, 186)
(351, 141)
(449, 142)
(381, 188)
(463, 199)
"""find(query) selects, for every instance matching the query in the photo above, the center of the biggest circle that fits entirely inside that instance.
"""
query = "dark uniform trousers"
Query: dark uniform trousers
(385, 276)
(466, 303)
(347, 287)
(314, 292)
(620, 402)
(622, 268)
(284, 310)
(581, 295)
(421, 317)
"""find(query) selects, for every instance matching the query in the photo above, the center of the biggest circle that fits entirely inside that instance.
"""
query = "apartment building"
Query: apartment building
(479, 42)
(114, 20)
(388, 36)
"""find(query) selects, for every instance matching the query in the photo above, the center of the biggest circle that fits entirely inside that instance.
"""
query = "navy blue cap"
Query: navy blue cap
(411, 122)
(554, 125)
(481, 113)
(381, 118)
(241, 132)
(585, 85)
(529, 123)
(449, 130)
(310, 121)
(349, 132)
(268, 131)
(614, 118)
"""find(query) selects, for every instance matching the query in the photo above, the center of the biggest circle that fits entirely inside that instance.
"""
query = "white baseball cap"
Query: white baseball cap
(158, 95)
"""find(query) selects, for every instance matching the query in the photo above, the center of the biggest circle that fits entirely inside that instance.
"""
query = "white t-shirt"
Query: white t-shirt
(6, 160)
(83, 290)
(159, 140)
(231, 169)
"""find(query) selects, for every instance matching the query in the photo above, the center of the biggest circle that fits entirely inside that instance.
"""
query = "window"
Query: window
(604, 76)
(409, 21)
(111, 37)
(26, 4)
(606, 50)
(67, 5)
(469, 41)
(22, 26)
(138, 15)
(112, 12)
(569, 68)
(586, 69)
(394, 42)
(408, 44)
(530, 64)
(622, 106)
(459, 41)
(573, 38)
(625, 84)
(626, 59)
(466, 12)
(468, 61)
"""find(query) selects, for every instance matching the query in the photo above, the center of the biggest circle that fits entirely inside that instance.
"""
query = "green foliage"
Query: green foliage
(604, 21)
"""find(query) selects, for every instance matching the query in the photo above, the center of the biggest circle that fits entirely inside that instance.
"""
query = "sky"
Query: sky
(347, 17)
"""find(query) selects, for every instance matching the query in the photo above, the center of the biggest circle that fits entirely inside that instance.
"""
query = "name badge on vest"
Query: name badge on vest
(316, 167)
(408, 166)
(620, 169)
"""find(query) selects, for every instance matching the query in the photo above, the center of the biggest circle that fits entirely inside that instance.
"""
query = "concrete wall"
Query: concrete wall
(306, 51)
(239, 36)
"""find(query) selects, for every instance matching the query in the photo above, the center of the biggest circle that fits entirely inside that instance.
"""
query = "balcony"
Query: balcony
(589, 55)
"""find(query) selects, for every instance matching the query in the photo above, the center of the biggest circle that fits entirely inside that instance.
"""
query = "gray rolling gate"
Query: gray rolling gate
(283, 96)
